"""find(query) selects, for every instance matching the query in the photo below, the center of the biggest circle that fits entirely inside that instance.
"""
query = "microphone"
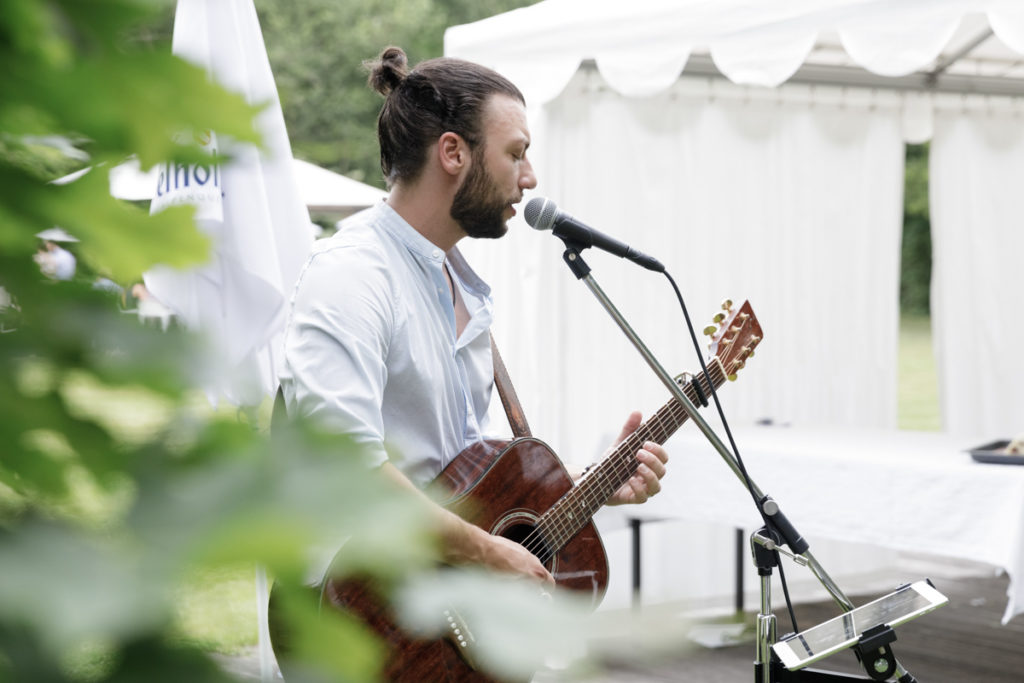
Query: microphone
(542, 214)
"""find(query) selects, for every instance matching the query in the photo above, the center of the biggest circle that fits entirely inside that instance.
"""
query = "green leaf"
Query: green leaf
(69, 589)
(321, 644)
(116, 237)
(154, 661)
(239, 497)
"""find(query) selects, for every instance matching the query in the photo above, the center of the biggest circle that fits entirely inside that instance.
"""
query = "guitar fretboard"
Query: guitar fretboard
(566, 517)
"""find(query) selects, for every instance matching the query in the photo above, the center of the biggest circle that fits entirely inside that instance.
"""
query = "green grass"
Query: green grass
(216, 609)
(918, 382)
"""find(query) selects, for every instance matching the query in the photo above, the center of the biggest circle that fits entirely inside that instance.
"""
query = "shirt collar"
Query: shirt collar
(391, 221)
(409, 236)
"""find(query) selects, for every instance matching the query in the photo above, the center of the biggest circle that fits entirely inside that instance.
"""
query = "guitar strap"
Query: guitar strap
(507, 393)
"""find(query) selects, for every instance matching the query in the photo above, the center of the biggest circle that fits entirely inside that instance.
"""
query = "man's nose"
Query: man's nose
(528, 179)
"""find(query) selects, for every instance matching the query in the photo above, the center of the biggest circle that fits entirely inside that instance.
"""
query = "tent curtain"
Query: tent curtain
(766, 195)
(976, 166)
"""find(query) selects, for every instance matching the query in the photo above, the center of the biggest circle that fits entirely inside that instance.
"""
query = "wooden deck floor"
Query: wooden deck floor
(961, 642)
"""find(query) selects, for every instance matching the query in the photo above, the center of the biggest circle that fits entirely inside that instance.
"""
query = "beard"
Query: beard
(477, 208)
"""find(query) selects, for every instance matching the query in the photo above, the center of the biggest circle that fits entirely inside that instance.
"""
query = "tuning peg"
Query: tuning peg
(710, 330)
(719, 317)
(727, 305)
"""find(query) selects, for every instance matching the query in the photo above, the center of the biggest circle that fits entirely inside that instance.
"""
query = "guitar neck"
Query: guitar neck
(578, 506)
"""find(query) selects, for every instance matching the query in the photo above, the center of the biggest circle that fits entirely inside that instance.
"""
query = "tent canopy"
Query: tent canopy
(325, 191)
(641, 47)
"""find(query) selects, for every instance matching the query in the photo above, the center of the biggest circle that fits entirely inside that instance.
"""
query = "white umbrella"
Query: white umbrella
(321, 190)
(251, 208)
(56, 234)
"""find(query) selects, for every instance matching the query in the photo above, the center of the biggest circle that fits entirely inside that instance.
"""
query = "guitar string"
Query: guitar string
(558, 525)
(614, 472)
(611, 471)
(603, 482)
(561, 525)
(607, 479)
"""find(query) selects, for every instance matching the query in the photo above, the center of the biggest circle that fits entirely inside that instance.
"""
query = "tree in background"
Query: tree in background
(916, 256)
(113, 484)
(316, 50)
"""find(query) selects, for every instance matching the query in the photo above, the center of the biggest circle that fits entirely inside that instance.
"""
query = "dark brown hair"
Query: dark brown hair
(437, 96)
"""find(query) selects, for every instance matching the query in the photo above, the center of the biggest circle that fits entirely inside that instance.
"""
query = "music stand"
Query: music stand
(867, 629)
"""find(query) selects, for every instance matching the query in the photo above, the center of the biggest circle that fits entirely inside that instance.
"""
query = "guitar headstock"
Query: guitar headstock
(734, 335)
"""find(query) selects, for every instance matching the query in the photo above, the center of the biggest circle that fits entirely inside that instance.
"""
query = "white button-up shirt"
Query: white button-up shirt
(370, 347)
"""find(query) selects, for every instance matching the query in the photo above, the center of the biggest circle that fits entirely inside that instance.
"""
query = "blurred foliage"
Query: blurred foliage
(316, 50)
(916, 256)
(114, 489)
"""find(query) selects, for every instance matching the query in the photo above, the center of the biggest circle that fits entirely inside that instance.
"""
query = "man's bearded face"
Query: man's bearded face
(478, 206)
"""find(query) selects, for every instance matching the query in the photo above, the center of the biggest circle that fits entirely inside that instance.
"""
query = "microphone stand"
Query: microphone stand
(776, 524)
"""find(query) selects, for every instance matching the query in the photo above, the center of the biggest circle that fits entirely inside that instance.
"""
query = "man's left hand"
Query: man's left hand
(646, 481)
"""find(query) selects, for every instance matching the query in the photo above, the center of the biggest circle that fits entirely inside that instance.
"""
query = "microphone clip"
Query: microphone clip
(574, 259)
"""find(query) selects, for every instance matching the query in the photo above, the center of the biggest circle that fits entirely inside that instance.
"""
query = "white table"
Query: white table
(910, 491)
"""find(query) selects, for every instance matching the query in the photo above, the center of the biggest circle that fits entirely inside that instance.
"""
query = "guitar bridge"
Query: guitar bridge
(459, 634)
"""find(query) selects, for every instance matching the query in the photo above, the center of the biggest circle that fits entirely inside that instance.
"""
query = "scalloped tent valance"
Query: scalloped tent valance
(642, 47)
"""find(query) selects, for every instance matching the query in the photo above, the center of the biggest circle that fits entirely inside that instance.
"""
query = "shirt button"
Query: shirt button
(437, 253)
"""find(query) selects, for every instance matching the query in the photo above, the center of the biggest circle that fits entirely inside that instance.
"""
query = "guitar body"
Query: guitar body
(502, 487)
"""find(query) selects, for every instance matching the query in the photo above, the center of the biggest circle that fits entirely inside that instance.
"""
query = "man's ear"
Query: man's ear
(452, 152)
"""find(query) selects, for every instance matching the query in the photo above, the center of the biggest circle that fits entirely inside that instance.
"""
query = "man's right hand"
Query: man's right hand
(503, 555)
(465, 543)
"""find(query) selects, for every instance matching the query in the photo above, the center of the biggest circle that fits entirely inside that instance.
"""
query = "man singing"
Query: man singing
(387, 340)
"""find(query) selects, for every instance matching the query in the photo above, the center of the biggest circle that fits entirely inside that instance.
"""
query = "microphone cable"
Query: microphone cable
(732, 442)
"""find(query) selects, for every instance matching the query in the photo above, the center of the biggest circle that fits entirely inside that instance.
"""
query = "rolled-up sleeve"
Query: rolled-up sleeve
(336, 344)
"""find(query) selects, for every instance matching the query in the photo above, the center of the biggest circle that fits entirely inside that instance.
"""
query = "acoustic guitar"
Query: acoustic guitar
(520, 490)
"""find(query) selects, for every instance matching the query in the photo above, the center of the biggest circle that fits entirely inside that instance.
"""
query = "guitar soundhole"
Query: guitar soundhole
(527, 536)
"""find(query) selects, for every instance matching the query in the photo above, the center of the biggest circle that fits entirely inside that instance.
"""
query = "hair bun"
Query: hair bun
(389, 70)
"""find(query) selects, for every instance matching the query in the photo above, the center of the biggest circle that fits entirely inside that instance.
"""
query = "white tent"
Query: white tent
(325, 191)
(788, 195)
(757, 149)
